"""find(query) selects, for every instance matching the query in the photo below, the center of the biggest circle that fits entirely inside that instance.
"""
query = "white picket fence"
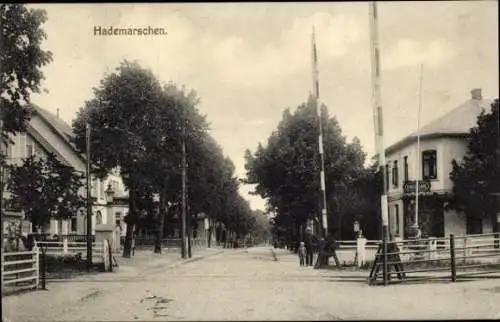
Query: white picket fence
(20, 270)
(70, 248)
(472, 247)
(169, 244)
(356, 252)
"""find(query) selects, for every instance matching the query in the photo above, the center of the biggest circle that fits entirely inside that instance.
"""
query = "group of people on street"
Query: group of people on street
(306, 250)
(325, 247)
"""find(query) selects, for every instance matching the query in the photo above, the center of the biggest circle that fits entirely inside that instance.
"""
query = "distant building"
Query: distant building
(47, 133)
(441, 141)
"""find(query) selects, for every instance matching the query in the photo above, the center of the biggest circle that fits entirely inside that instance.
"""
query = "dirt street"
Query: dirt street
(246, 285)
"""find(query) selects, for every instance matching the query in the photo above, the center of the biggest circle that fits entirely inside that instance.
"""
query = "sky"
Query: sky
(250, 61)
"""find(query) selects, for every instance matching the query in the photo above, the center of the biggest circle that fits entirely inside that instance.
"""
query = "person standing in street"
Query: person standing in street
(309, 247)
(302, 253)
(133, 243)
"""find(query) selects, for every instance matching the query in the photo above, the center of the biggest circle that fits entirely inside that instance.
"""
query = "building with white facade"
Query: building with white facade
(47, 133)
(441, 141)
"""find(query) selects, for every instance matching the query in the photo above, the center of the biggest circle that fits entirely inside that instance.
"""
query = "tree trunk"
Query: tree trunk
(159, 232)
(226, 239)
(209, 240)
(189, 232)
(127, 246)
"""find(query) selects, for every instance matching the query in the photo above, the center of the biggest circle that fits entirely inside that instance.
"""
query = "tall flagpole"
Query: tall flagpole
(415, 223)
(377, 112)
(320, 134)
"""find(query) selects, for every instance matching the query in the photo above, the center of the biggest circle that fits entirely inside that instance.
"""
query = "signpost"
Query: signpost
(410, 186)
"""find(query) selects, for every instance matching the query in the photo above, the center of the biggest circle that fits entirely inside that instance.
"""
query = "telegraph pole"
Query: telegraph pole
(89, 198)
(184, 203)
(415, 224)
(1, 162)
(1, 193)
(377, 112)
(320, 135)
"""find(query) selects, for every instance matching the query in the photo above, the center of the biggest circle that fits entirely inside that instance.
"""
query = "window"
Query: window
(429, 164)
(30, 147)
(101, 189)
(387, 176)
(395, 177)
(406, 169)
(29, 150)
(21, 145)
(74, 224)
(9, 151)
(396, 214)
(118, 215)
(5, 177)
(94, 187)
(98, 218)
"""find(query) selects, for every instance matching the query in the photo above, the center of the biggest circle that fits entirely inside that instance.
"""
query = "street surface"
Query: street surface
(238, 284)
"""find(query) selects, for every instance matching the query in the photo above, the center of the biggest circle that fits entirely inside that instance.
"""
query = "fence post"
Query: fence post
(466, 253)
(36, 251)
(361, 251)
(432, 247)
(65, 244)
(44, 268)
(105, 254)
(110, 254)
(452, 259)
(384, 269)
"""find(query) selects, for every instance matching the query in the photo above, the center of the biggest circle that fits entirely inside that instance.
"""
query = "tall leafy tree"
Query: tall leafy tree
(286, 171)
(139, 126)
(44, 189)
(121, 115)
(476, 178)
(21, 60)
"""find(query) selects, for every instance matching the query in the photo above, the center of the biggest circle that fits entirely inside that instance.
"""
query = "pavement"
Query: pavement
(258, 283)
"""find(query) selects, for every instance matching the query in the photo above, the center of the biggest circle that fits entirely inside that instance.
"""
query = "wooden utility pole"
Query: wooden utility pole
(184, 203)
(89, 198)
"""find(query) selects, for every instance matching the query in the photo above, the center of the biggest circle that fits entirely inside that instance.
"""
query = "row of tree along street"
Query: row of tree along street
(286, 174)
(138, 126)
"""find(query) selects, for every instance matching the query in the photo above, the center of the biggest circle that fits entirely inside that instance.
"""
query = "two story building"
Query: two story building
(47, 133)
(441, 141)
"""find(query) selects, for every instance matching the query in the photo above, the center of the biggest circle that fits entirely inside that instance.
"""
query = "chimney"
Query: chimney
(476, 94)
(57, 113)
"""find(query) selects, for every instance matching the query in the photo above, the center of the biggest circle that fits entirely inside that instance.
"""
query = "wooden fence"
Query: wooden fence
(20, 270)
(70, 248)
(437, 258)
(169, 244)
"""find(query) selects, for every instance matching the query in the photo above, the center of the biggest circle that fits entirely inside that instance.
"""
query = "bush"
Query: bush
(64, 262)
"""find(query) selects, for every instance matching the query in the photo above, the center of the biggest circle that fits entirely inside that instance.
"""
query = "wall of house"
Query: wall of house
(446, 150)
(19, 150)
(453, 148)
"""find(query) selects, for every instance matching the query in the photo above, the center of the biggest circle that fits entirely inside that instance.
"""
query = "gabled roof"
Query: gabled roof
(61, 128)
(456, 122)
